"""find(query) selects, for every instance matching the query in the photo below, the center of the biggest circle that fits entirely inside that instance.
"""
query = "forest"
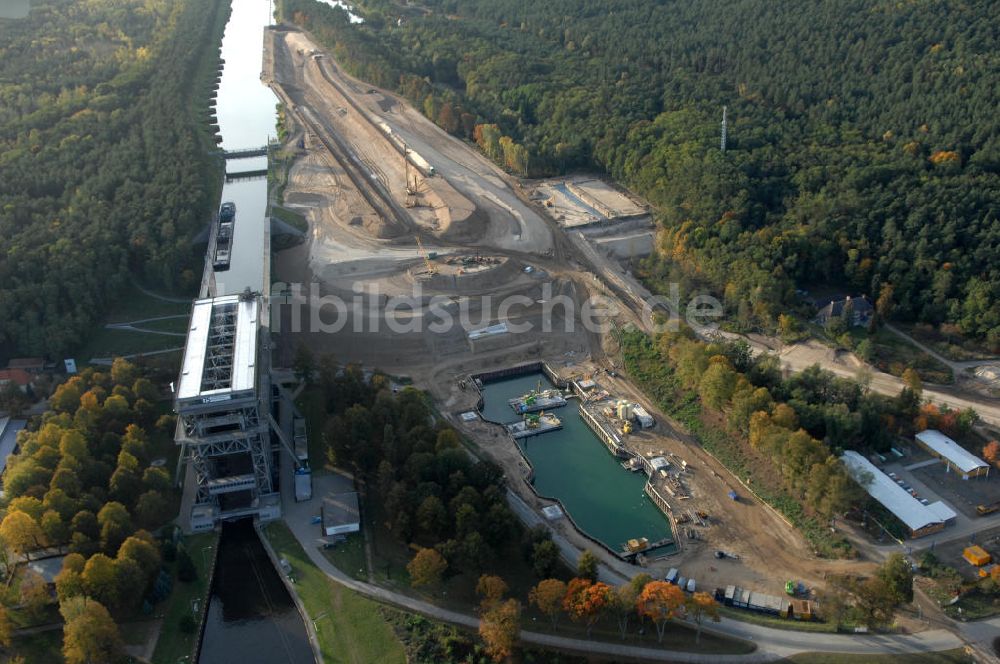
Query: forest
(863, 139)
(104, 171)
(82, 481)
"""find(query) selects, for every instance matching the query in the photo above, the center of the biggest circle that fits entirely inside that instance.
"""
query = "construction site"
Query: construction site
(394, 203)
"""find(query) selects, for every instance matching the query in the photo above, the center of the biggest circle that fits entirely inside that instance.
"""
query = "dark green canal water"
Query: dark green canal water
(572, 465)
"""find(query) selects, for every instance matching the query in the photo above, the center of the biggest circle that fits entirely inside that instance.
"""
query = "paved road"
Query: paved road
(771, 643)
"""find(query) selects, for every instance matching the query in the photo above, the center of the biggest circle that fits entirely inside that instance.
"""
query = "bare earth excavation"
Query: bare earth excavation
(453, 226)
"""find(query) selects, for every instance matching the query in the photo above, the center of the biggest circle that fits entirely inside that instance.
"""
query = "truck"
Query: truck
(303, 485)
(990, 508)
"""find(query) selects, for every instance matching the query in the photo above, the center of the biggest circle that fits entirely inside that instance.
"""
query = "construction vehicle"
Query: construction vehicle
(983, 510)
(427, 260)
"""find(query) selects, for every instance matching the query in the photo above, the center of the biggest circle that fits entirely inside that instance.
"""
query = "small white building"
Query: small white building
(920, 519)
(955, 456)
(341, 514)
(645, 420)
(658, 463)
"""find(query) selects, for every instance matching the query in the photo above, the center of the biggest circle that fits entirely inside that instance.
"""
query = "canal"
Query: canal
(246, 111)
(572, 465)
(251, 617)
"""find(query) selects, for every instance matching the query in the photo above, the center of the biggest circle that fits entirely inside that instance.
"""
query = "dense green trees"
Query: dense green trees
(433, 493)
(863, 135)
(103, 167)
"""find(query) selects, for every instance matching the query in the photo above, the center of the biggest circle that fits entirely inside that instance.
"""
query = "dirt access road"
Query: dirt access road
(341, 254)
(355, 108)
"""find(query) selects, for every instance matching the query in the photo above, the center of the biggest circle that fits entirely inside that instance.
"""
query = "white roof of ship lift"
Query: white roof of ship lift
(897, 500)
(965, 460)
(244, 348)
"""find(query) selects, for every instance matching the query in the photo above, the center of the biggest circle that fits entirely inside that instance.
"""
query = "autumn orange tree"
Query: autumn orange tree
(991, 452)
(660, 601)
(492, 589)
(426, 568)
(698, 607)
(586, 602)
(548, 597)
(499, 628)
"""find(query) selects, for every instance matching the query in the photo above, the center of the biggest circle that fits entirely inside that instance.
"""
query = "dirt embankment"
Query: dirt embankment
(458, 219)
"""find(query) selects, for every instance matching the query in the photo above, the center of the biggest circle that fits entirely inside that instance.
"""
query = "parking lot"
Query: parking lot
(928, 478)
(962, 495)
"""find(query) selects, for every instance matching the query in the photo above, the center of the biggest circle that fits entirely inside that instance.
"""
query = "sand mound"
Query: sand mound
(459, 220)
(473, 281)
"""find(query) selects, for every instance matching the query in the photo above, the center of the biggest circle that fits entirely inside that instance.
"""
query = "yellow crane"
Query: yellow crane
(427, 261)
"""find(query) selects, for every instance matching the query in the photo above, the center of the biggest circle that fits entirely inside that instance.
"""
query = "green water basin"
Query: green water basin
(572, 465)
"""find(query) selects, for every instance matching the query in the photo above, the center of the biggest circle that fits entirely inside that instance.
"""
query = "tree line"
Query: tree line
(104, 172)
(868, 601)
(862, 147)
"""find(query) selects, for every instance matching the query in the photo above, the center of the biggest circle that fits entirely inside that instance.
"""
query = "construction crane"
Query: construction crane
(427, 260)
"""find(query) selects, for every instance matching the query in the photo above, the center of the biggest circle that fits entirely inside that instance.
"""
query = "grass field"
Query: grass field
(136, 305)
(173, 643)
(349, 557)
(352, 629)
(956, 656)
(974, 605)
(177, 325)
(293, 219)
(776, 622)
(894, 354)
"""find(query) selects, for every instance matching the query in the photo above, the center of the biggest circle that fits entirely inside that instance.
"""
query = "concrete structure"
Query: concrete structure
(919, 519)
(341, 514)
(8, 438)
(223, 407)
(955, 456)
